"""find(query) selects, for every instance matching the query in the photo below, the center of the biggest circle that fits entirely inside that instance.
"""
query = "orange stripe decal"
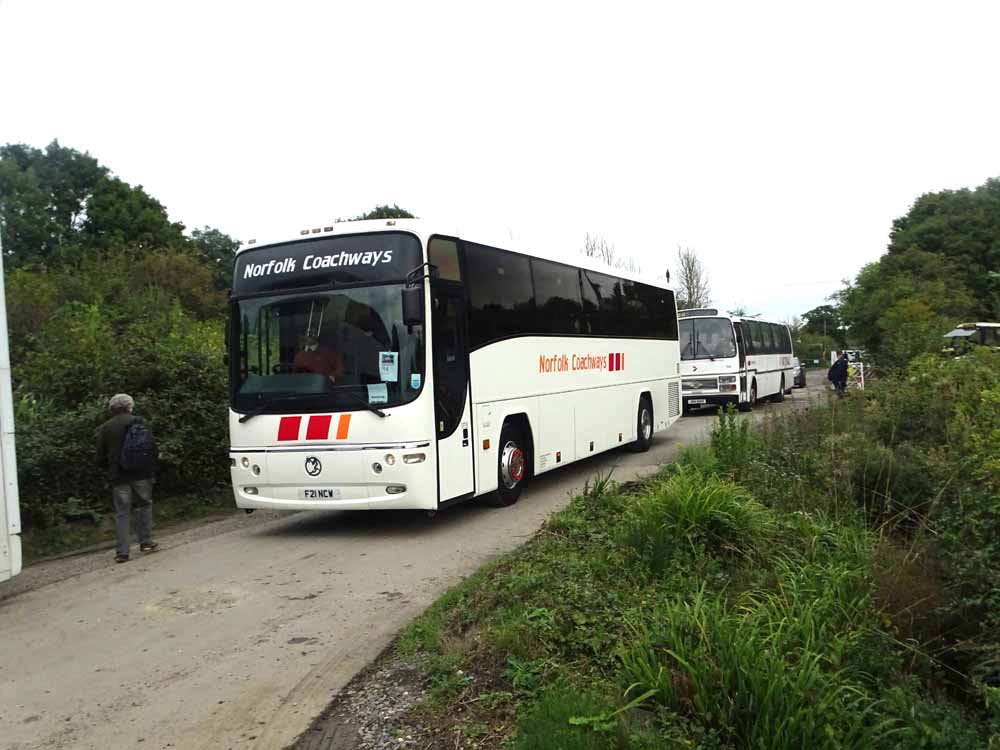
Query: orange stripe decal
(343, 425)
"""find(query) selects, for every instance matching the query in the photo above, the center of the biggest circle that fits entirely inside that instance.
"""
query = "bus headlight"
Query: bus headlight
(377, 467)
(255, 470)
(395, 489)
(244, 462)
(727, 382)
(390, 459)
(250, 490)
(413, 458)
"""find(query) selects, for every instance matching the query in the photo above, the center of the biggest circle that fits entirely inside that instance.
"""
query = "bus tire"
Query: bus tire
(752, 400)
(643, 426)
(780, 395)
(512, 467)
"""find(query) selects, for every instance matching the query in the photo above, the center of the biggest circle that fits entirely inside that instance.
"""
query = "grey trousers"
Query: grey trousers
(122, 496)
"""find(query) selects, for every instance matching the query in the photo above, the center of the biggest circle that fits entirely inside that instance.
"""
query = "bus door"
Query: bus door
(452, 398)
(741, 351)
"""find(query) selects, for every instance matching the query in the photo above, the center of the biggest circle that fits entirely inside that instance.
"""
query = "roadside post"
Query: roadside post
(10, 517)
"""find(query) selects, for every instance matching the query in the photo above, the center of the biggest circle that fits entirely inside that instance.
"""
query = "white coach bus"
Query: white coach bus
(733, 360)
(381, 364)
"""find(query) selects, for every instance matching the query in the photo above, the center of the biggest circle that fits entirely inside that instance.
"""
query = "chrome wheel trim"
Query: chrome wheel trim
(512, 464)
(646, 423)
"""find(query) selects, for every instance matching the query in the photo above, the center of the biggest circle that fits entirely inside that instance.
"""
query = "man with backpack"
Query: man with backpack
(837, 374)
(127, 450)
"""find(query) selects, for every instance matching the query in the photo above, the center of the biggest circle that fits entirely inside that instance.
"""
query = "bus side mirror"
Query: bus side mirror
(413, 305)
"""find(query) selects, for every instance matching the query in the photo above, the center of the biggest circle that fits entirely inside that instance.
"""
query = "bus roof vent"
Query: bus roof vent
(697, 312)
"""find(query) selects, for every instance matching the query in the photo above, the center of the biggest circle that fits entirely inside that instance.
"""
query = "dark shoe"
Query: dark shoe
(121, 558)
(149, 547)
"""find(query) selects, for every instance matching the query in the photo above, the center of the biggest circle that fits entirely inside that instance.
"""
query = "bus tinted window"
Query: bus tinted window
(601, 303)
(637, 317)
(557, 297)
(757, 337)
(501, 303)
(770, 338)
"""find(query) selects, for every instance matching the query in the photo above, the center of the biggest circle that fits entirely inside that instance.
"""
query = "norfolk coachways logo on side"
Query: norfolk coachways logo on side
(313, 262)
(612, 362)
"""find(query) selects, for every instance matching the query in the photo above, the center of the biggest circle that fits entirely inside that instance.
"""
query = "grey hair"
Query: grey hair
(121, 403)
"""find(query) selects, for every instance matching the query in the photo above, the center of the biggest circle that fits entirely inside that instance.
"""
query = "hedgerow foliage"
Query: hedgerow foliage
(105, 295)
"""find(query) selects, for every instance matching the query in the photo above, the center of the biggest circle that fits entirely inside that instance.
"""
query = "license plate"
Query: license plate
(697, 400)
(320, 493)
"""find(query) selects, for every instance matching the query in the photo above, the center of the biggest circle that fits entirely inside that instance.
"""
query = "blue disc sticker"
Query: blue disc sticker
(415, 381)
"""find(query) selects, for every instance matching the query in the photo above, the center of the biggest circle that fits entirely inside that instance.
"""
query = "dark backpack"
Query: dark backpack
(139, 451)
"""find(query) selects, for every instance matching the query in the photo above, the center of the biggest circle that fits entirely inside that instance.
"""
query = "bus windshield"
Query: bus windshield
(327, 349)
(707, 338)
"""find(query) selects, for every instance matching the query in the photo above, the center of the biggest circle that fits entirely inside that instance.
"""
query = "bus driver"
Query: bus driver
(318, 358)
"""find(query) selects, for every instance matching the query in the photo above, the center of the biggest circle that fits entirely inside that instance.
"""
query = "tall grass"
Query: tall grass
(691, 509)
(767, 671)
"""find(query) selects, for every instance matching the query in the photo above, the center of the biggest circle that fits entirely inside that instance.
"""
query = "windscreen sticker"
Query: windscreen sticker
(415, 381)
(378, 393)
(388, 366)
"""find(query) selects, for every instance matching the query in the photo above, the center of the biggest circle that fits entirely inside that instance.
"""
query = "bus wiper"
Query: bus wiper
(369, 407)
(265, 405)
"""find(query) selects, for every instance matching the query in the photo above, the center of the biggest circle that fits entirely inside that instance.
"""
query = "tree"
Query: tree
(385, 212)
(826, 320)
(119, 215)
(692, 280)
(217, 249)
(902, 298)
(43, 199)
(961, 226)
(599, 248)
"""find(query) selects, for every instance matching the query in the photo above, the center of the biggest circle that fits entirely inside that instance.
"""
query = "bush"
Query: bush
(694, 509)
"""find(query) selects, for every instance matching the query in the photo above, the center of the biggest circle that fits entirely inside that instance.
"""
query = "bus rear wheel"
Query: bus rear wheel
(751, 400)
(643, 427)
(512, 468)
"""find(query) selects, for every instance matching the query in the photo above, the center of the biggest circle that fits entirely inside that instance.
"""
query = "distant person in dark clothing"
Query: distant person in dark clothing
(125, 484)
(838, 374)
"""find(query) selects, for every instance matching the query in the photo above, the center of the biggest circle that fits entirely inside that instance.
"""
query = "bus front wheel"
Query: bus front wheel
(512, 467)
(751, 400)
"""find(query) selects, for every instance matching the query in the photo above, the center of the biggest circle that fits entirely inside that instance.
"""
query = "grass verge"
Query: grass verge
(742, 598)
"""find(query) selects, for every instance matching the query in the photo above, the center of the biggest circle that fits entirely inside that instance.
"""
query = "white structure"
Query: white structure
(730, 359)
(388, 364)
(10, 518)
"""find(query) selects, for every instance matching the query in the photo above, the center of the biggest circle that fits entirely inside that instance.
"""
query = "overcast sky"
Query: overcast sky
(778, 140)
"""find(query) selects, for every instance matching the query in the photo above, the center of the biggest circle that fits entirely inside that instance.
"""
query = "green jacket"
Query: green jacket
(110, 437)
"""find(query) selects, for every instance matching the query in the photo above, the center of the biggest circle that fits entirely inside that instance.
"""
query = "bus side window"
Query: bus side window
(600, 303)
(501, 295)
(557, 295)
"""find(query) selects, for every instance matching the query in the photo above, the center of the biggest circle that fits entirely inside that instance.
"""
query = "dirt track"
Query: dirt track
(237, 634)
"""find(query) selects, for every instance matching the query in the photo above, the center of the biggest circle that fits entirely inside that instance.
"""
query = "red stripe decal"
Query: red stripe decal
(343, 425)
(319, 427)
(621, 360)
(611, 361)
(288, 428)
